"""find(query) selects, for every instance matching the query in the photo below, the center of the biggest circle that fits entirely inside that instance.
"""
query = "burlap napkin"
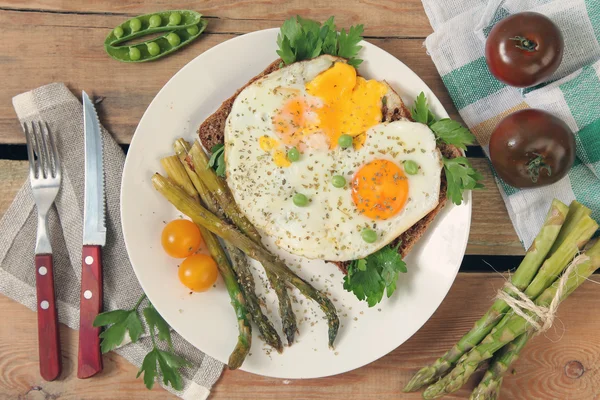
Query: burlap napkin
(572, 93)
(57, 106)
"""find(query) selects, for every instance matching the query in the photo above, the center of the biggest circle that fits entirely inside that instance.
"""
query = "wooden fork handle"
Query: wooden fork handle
(48, 341)
(90, 304)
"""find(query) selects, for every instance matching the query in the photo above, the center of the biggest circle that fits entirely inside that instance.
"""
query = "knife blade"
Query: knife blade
(94, 237)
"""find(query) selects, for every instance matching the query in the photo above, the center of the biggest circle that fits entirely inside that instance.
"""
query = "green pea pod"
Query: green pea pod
(152, 23)
(156, 47)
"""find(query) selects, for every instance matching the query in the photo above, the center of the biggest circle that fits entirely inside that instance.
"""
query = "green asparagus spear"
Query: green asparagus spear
(576, 212)
(491, 382)
(238, 259)
(512, 327)
(221, 192)
(265, 327)
(238, 301)
(223, 196)
(495, 390)
(202, 216)
(521, 279)
(557, 262)
(177, 174)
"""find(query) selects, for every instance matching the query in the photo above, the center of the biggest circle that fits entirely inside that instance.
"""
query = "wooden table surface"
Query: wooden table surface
(50, 40)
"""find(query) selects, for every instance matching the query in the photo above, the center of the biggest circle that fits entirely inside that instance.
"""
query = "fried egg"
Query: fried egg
(308, 106)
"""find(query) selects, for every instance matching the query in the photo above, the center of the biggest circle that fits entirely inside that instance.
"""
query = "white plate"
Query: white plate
(206, 319)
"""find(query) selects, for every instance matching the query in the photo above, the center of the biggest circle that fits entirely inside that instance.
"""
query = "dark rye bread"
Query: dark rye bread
(212, 131)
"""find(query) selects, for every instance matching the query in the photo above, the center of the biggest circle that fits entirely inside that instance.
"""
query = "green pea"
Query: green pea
(174, 19)
(300, 200)
(345, 141)
(338, 181)
(134, 54)
(369, 235)
(154, 21)
(153, 48)
(411, 167)
(118, 32)
(135, 25)
(293, 154)
(173, 39)
(193, 30)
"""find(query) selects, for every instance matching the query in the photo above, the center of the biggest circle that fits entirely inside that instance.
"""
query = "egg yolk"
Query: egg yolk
(280, 158)
(348, 104)
(266, 143)
(379, 189)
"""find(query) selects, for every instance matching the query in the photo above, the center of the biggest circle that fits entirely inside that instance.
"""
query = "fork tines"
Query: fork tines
(41, 151)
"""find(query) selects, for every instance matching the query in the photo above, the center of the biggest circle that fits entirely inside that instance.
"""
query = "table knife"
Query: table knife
(94, 237)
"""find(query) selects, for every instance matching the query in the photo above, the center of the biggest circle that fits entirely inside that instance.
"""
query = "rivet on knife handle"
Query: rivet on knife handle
(90, 304)
(48, 341)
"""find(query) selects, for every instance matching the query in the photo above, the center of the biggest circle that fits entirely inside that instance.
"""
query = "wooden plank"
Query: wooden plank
(491, 230)
(75, 56)
(387, 18)
(19, 370)
(550, 366)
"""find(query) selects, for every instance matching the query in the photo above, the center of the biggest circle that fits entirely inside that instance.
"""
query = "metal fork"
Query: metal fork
(45, 177)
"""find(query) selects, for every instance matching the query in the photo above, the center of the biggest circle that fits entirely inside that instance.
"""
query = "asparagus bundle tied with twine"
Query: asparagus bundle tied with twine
(524, 306)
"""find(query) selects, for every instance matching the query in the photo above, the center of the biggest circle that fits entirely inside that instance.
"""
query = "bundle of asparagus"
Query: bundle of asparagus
(195, 190)
(502, 333)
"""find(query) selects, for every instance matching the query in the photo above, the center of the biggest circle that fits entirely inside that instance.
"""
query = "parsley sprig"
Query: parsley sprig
(369, 277)
(460, 174)
(302, 39)
(122, 321)
(217, 159)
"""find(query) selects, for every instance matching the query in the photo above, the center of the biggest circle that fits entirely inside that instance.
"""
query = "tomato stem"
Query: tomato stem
(536, 165)
(524, 43)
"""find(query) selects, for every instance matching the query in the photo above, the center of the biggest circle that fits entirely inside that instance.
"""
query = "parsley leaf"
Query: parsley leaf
(461, 176)
(370, 277)
(148, 367)
(285, 51)
(168, 362)
(217, 159)
(121, 321)
(421, 112)
(111, 317)
(391, 264)
(452, 132)
(154, 319)
(348, 44)
(329, 35)
(302, 39)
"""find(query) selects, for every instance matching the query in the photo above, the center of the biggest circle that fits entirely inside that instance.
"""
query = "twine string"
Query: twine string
(539, 317)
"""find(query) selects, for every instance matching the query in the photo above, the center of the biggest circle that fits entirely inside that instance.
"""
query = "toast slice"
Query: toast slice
(212, 132)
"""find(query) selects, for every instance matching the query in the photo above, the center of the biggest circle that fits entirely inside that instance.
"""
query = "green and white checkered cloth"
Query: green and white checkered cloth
(572, 93)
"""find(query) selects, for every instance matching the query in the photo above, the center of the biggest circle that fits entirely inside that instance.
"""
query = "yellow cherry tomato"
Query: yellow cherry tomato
(181, 238)
(198, 272)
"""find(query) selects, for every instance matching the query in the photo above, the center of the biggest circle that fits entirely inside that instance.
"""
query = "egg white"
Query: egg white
(330, 226)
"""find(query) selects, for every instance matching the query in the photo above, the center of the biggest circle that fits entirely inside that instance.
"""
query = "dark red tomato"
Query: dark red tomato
(524, 49)
(532, 148)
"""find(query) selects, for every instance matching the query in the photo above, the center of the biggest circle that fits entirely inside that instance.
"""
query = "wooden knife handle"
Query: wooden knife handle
(90, 304)
(48, 341)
